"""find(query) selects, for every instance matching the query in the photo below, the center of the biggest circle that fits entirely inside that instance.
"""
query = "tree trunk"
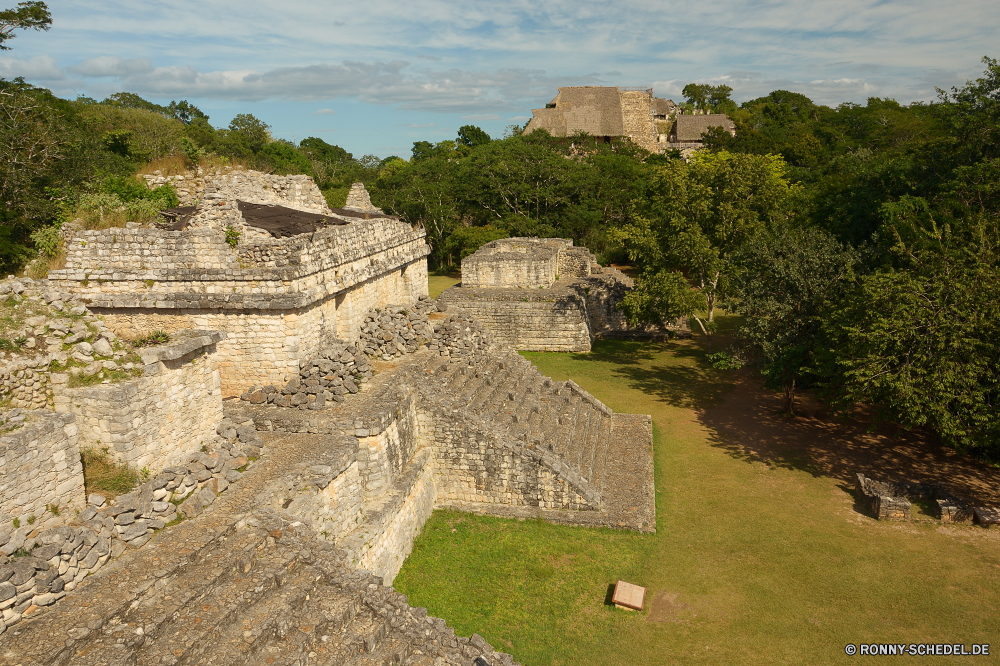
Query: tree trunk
(790, 397)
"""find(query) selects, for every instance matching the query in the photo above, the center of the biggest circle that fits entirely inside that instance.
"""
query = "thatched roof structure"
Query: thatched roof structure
(691, 128)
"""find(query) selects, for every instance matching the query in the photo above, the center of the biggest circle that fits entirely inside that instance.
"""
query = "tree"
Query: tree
(318, 149)
(698, 214)
(247, 133)
(707, 97)
(783, 284)
(921, 341)
(28, 16)
(472, 136)
(186, 112)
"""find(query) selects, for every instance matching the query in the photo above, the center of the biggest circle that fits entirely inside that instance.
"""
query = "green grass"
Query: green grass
(438, 282)
(760, 564)
(101, 474)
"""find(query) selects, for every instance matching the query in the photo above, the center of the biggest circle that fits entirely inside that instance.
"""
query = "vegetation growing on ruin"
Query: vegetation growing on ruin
(102, 475)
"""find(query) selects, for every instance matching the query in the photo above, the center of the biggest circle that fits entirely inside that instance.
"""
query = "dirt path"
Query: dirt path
(747, 423)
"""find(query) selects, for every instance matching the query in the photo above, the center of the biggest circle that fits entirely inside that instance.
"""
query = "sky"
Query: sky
(375, 76)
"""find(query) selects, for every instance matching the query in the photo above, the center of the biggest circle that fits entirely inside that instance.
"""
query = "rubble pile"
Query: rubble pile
(339, 370)
(461, 337)
(397, 330)
(37, 571)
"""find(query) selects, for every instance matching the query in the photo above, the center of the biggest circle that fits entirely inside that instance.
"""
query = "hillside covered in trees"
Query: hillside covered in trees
(858, 242)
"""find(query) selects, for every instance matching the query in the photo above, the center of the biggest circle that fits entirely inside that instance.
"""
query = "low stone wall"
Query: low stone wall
(385, 539)
(474, 464)
(525, 263)
(39, 469)
(158, 419)
(554, 319)
(890, 500)
(27, 384)
(254, 186)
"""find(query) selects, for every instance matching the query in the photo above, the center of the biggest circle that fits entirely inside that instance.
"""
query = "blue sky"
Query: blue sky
(376, 76)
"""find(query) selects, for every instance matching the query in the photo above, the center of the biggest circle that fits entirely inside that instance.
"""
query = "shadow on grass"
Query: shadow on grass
(675, 372)
(748, 426)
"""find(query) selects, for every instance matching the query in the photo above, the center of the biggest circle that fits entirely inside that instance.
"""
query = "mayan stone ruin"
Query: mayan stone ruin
(305, 411)
(608, 112)
(543, 294)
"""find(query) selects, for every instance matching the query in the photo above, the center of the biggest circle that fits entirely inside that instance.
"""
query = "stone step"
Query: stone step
(565, 416)
(209, 576)
(600, 461)
(361, 638)
(490, 387)
(496, 378)
(501, 398)
(581, 434)
(394, 651)
(255, 620)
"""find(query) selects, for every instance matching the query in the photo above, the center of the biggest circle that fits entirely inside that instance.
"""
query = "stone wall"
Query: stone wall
(252, 186)
(40, 468)
(554, 319)
(519, 263)
(158, 419)
(473, 464)
(385, 538)
(637, 118)
(543, 294)
(26, 383)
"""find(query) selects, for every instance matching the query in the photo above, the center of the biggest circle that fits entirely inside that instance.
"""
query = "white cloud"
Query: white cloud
(486, 58)
(40, 69)
(112, 66)
(323, 112)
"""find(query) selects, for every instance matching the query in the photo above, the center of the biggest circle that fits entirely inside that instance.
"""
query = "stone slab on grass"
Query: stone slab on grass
(628, 596)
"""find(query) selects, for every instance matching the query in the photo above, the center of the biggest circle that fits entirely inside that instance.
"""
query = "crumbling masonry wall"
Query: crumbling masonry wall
(40, 467)
(278, 300)
(543, 294)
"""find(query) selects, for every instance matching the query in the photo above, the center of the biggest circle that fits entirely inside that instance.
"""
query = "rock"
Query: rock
(134, 532)
(88, 513)
(246, 433)
(95, 499)
(102, 348)
(140, 541)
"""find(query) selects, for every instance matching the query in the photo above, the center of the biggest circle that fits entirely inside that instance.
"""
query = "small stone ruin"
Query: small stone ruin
(890, 500)
(544, 294)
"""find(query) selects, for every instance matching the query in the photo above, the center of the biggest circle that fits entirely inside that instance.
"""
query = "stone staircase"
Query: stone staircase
(567, 425)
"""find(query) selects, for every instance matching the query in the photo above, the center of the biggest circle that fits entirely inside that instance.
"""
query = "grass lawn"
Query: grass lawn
(438, 282)
(752, 562)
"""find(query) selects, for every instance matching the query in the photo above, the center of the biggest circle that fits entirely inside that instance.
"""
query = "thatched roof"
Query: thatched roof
(663, 107)
(596, 110)
(690, 128)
